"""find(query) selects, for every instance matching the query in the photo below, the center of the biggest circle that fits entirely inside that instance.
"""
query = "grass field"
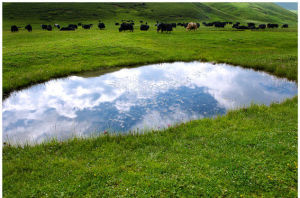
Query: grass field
(29, 58)
(251, 152)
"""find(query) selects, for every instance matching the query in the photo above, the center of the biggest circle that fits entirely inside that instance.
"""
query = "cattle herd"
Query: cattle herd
(161, 27)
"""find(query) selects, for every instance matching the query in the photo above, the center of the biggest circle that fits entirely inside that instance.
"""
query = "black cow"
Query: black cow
(251, 25)
(101, 26)
(57, 26)
(44, 27)
(87, 26)
(79, 24)
(184, 25)
(73, 26)
(28, 28)
(141, 21)
(126, 26)
(285, 26)
(208, 24)
(67, 29)
(219, 24)
(144, 27)
(242, 27)
(49, 27)
(236, 25)
(173, 25)
(164, 27)
(262, 26)
(270, 25)
(117, 24)
(14, 28)
(198, 25)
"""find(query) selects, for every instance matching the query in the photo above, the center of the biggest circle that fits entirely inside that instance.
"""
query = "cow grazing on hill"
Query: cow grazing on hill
(270, 25)
(117, 24)
(242, 27)
(73, 26)
(144, 27)
(44, 27)
(192, 26)
(285, 26)
(219, 24)
(87, 26)
(28, 28)
(101, 26)
(14, 28)
(49, 27)
(67, 29)
(262, 26)
(126, 26)
(251, 25)
(164, 27)
(57, 26)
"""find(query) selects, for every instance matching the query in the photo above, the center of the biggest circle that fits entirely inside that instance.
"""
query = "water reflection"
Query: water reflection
(146, 97)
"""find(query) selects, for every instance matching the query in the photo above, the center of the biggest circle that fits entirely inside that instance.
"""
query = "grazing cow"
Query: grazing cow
(173, 25)
(242, 27)
(262, 26)
(191, 26)
(198, 25)
(219, 24)
(73, 26)
(28, 28)
(208, 24)
(270, 25)
(144, 27)
(251, 25)
(285, 26)
(164, 27)
(14, 28)
(44, 27)
(49, 27)
(141, 21)
(184, 25)
(236, 25)
(57, 26)
(67, 29)
(117, 24)
(101, 26)
(126, 26)
(87, 27)
(79, 24)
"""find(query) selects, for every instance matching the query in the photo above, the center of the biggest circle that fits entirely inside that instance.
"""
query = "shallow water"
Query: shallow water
(147, 97)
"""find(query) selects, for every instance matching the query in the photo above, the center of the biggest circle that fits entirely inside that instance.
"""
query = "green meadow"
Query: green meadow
(251, 152)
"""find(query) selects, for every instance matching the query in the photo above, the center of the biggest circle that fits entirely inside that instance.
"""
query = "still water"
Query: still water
(147, 97)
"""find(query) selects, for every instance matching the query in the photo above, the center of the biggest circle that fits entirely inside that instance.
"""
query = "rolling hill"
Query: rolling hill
(53, 12)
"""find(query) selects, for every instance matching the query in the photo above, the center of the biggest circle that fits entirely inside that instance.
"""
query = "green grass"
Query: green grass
(29, 58)
(248, 153)
(251, 152)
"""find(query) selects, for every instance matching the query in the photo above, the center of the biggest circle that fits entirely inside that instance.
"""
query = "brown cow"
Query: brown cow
(192, 26)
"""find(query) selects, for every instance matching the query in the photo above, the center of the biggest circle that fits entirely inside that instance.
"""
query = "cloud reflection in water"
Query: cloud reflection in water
(151, 96)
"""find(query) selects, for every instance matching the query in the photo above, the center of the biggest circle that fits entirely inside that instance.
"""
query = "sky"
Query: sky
(288, 6)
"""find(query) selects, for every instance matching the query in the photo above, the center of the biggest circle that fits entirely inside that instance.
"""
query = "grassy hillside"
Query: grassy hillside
(53, 12)
(251, 152)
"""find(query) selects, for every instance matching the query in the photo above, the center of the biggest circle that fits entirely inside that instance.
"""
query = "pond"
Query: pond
(136, 99)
